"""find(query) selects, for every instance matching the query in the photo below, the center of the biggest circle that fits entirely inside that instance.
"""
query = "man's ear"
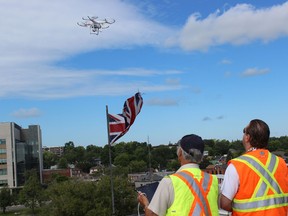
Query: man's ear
(247, 138)
(180, 152)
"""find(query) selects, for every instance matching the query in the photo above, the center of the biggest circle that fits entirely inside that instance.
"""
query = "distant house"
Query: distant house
(47, 174)
(279, 153)
(223, 159)
(132, 177)
(77, 173)
(96, 169)
(215, 169)
(59, 150)
(142, 179)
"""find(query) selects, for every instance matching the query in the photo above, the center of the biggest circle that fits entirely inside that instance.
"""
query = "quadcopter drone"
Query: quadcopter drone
(94, 24)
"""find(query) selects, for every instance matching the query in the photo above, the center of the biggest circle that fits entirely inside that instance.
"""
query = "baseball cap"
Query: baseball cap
(192, 141)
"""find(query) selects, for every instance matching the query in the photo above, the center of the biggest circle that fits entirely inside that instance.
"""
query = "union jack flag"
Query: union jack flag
(116, 126)
(119, 124)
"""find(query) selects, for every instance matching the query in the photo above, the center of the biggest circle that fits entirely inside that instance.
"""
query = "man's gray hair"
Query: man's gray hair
(194, 155)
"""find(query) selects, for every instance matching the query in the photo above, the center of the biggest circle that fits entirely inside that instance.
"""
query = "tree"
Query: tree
(49, 159)
(209, 143)
(68, 146)
(105, 154)
(59, 178)
(69, 152)
(62, 163)
(161, 155)
(84, 166)
(32, 193)
(173, 165)
(5, 198)
(237, 145)
(221, 147)
(92, 153)
(204, 163)
(75, 198)
(137, 166)
(124, 196)
(79, 152)
(122, 159)
(142, 153)
(79, 198)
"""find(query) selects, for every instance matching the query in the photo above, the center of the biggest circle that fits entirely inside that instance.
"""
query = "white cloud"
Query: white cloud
(52, 82)
(162, 102)
(37, 33)
(227, 74)
(173, 81)
(241, 24)
(37, 30)
(27, 113)
(254, 72)
(207, 118)
(225, 61)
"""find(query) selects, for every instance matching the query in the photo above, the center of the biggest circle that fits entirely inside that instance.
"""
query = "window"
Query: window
(3, 171)
(2, 141)
(2, 151)
(3, 161)
(3, 182)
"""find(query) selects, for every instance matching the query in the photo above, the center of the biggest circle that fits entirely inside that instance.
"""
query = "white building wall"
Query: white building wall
(11, 132)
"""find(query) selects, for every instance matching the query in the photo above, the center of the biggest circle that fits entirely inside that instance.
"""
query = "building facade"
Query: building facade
(59, 150)
(20, 151)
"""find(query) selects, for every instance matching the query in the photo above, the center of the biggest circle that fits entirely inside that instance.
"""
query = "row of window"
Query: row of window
(3, 171)
(3, 182)
(3, 161)
(2, 151)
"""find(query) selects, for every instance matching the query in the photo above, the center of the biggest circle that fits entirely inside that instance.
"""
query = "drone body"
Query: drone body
(94, 24)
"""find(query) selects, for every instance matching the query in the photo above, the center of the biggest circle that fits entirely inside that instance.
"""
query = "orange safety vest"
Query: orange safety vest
(263, 185)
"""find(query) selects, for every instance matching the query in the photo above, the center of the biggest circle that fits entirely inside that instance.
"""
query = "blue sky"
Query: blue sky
(203, 66)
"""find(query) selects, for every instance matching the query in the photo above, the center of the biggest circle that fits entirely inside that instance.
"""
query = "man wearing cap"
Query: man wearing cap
(189, 191)
(256, 183)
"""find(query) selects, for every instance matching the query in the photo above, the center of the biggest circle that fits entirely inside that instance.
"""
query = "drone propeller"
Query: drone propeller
(93, 17)
(83, 24)
(109, 22)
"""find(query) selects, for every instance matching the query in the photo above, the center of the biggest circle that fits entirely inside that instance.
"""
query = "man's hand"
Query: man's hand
(142, 199)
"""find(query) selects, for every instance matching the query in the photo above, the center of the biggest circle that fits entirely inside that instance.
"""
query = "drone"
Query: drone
(94, 24)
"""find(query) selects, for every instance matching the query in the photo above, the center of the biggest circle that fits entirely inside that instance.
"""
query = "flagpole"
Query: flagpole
(149, 154)
(110, 163)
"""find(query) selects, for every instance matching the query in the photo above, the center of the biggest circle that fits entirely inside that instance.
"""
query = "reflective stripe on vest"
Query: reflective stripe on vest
(265, 203)
(260, 199)
(272, 168)
(198, 190)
